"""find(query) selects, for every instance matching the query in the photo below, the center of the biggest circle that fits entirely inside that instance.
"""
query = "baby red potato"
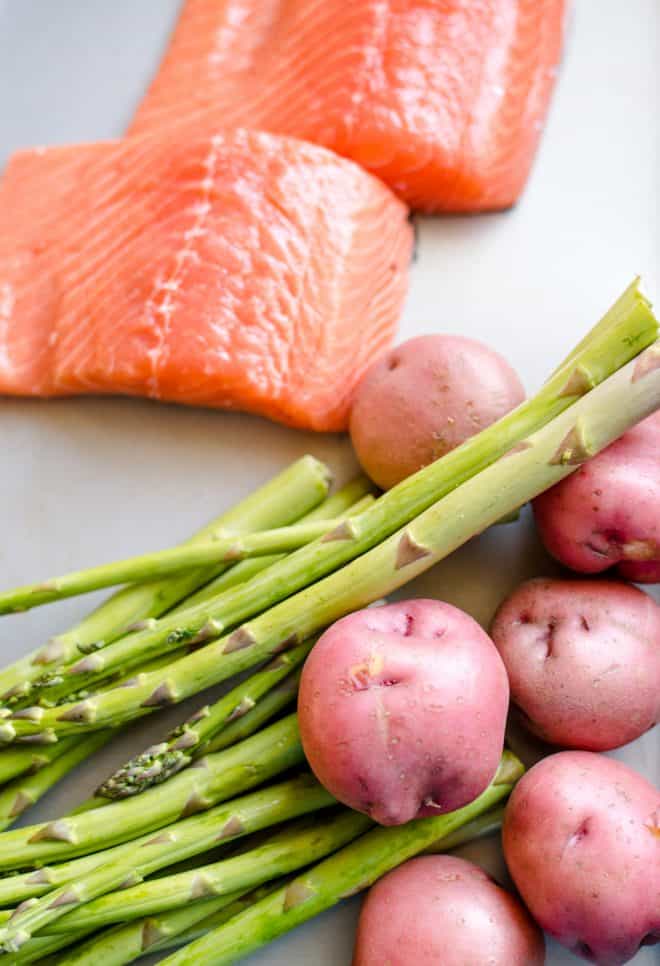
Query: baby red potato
(402, 710)
(581, 839)
(583, 659)
(608, 513)
(425, 397)
(443, 910)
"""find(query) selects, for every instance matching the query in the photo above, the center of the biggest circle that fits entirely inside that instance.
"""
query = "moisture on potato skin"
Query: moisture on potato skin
(583, 659)
(607, 514)
(442, 909)
(425, 397)
(402, 710)
(581, 840)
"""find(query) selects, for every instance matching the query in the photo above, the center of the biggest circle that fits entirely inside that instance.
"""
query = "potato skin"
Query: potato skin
(608, 513)
(425, 397)
(443, 910)
(402, 710)
(583, 659)
(581, 839)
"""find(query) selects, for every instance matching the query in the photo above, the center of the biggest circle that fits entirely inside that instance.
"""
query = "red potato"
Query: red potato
(425, 397)
(402, 710)
(583, 659)
(443, 910)
(608, 513)
(581, 839)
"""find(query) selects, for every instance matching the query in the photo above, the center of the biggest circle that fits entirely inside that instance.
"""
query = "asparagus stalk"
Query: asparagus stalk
(218, 911)
(50, 687)
(23, 792)
(480, 827)
(352, 869)
(177, 751)
(275, 701)
(217, 549)
(526, 470)
(214, 779)
(279, 502)
(17, 761)
(353, 497)
(279, 698)
(611, 343)
(285, 851)
(188, 837)
(128, 865)
(126, 943)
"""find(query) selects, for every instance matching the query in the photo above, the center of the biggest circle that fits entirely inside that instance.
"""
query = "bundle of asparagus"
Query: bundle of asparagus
(248, 594)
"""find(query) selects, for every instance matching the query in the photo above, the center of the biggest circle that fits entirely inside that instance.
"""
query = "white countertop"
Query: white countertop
(85, 480)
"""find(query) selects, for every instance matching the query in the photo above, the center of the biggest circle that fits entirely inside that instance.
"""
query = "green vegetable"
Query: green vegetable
(188, 837)
(486, 824)
(126, 866)
(283, 852)
(214, 778)
(530, 466)
(23, 792)
(616, 339)
(355, 496)
(126, 943)
(352, 869)
(18, 761)
(217, 549)
(186, 742)
(281, 501)
(275, 701)
(131, 651)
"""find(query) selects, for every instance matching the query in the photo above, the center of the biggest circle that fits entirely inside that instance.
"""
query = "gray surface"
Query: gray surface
(88, 480)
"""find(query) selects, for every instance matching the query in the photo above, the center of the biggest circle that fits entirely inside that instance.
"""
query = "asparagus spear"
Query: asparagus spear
(17, 761)
(179, 841)
(282, 500)
(284, 852)
(25, 791)
(214, 779)
(480, 827)
(50, 687)
(275, 701)
(353, 497)
(217, 549)
(279, 698)
(128, 865)
(161, 761)
(126, 943)
(353, 868)
(218, 911)
(526, 470)
(615, 339)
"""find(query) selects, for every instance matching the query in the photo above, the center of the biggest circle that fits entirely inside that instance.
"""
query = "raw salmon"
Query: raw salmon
(234, 269)
(444, 100)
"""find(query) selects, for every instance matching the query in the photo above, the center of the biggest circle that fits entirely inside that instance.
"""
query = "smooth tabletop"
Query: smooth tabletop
(83, 481)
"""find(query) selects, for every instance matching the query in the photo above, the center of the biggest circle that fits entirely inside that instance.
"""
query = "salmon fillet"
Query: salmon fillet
(237, 269)
(444, 100)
